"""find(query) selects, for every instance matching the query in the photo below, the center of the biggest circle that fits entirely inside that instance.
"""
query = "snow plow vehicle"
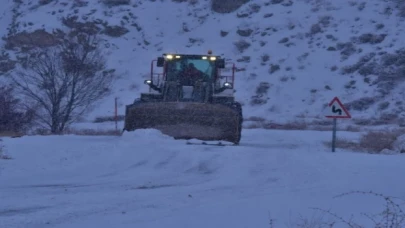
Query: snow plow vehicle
(190, 98)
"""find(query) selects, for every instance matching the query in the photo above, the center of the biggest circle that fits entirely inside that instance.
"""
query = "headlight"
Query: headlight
(213, 58)
(169, 56)
(228, 85)
(148, 82)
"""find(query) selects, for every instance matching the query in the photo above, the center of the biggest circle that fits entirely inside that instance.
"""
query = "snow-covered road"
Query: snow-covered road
(148, 180)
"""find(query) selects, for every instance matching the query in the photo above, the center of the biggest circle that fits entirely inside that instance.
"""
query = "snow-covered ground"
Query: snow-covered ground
(145, 179)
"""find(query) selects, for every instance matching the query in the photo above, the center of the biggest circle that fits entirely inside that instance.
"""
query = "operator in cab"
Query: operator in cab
(190, 75)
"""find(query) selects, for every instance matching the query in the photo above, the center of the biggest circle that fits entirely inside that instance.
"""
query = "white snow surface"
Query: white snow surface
(145, 179)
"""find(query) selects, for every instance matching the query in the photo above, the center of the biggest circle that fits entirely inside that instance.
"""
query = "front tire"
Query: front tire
(238, 108)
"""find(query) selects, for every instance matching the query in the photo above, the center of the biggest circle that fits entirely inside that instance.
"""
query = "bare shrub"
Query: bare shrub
(244, 32)
(224, 33)
(360, 65)
(226, 6)
(242, 45)
(29, 40)
(115, 31)
(14, 115)
(116, 2)
(88, 27)
(284, 78)
(392, 216)
(361, 104)
(316, 221)
(315, 28)
(346, 49)
(378, 141)
(369, 38)
(260, 97)
(44, 2)
(64, 80)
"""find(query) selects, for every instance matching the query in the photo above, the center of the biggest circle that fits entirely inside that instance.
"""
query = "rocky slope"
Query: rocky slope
(293, 56)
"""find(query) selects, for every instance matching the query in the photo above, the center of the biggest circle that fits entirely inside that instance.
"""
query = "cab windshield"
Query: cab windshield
(176, 66)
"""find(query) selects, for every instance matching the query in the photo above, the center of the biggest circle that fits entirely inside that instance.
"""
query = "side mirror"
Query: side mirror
(220, 63)
(160, 62)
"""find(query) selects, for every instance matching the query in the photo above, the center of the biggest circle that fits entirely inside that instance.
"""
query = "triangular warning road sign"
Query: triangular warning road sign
(336, 109)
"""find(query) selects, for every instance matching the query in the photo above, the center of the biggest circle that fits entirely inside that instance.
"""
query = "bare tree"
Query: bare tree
(65, 80)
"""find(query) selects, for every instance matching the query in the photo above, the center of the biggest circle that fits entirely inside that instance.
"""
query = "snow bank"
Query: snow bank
(144, 135)
(145, 179)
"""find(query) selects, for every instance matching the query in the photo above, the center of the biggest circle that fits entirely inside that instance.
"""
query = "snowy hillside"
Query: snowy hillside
(293, 56)
(133, 181)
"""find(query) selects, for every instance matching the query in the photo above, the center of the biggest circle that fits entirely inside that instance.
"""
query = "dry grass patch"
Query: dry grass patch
(392, 215)
(344, 144)
(276, 126)
(10, 134)
(255, 122)
(89, 132)
(255, 119)
(378, 141)
(353, 128)
(330, 128)
(287, 126)
(254, 125)
(94, 132)
(371, 142)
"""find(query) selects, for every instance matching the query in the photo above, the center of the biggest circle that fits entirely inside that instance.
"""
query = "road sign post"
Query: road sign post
(334, 135)
(336, 110)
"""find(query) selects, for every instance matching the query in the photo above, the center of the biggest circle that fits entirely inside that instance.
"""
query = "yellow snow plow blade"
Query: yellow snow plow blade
(187, 120)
